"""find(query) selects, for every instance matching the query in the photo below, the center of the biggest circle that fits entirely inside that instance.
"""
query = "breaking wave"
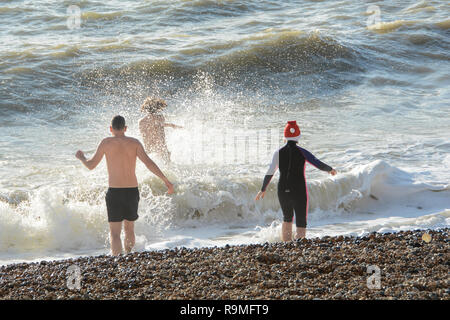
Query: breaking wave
(56, 221)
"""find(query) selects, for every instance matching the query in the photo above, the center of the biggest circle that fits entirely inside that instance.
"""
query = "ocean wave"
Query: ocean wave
(419, 7)
(270, 53)
(38, 52)
(190, 10)
(15, 10)
(91, 15)
(68, 52)
(444, 25)
(386, 27)
(385, 81)
(54, 220)
(390, 26)
(290, 51)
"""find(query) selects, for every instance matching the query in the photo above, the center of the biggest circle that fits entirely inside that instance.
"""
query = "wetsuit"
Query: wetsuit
(292, 189)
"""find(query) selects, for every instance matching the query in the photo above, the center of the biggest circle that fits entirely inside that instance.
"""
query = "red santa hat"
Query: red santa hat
(292, 131)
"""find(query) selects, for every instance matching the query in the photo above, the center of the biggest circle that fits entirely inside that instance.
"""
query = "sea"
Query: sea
(368, 83)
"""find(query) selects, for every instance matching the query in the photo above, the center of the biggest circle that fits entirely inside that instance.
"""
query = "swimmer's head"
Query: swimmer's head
(118, 124)
(153, 105)
(291, 131)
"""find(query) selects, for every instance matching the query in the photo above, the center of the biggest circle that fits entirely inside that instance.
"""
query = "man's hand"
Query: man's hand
(333, 172)
(260, 195)
(80, 155)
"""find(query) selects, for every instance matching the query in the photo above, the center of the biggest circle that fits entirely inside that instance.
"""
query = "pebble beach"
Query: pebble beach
(339, 268)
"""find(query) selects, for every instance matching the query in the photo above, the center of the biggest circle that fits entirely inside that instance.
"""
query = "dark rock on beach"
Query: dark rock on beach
(376, 266)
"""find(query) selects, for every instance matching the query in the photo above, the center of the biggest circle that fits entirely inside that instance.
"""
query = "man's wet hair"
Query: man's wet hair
(118, 123)
(153, 105)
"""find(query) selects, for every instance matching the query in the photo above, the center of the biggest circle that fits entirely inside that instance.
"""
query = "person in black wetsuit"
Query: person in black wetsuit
(292, 190)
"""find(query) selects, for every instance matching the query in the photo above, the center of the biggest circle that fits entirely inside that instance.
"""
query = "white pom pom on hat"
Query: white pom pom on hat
(292, 131)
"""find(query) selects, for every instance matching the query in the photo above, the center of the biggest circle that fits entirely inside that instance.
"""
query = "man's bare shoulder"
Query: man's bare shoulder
(112, 140)
(106, 140)
(132, 140)
(107, 143)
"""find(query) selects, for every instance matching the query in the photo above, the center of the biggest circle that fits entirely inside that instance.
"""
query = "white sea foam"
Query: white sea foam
(209, 210)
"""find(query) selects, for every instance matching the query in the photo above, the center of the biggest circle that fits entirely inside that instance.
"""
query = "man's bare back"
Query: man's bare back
(121, 154)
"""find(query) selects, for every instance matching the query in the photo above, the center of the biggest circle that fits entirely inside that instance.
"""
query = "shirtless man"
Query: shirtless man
(152, 127)
(122, 198)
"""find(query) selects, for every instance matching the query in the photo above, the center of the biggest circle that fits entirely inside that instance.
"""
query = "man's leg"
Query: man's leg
(116, 244)
(129, 235)
(286, 231)
(288, 215)
(301, 233)
(301, 214)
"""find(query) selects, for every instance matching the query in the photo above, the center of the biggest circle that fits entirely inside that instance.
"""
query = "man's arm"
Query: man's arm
(142, 155)
(171, 125)
(98, 156)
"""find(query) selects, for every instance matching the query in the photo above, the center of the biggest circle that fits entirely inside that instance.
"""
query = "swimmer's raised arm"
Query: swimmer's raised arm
(98, 156)
(142, 155)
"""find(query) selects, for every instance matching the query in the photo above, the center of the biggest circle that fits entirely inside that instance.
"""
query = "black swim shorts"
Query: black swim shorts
(122, 203)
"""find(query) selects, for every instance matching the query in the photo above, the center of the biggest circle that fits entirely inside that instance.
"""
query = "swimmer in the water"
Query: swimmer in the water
(292, 190)
(152, 127)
